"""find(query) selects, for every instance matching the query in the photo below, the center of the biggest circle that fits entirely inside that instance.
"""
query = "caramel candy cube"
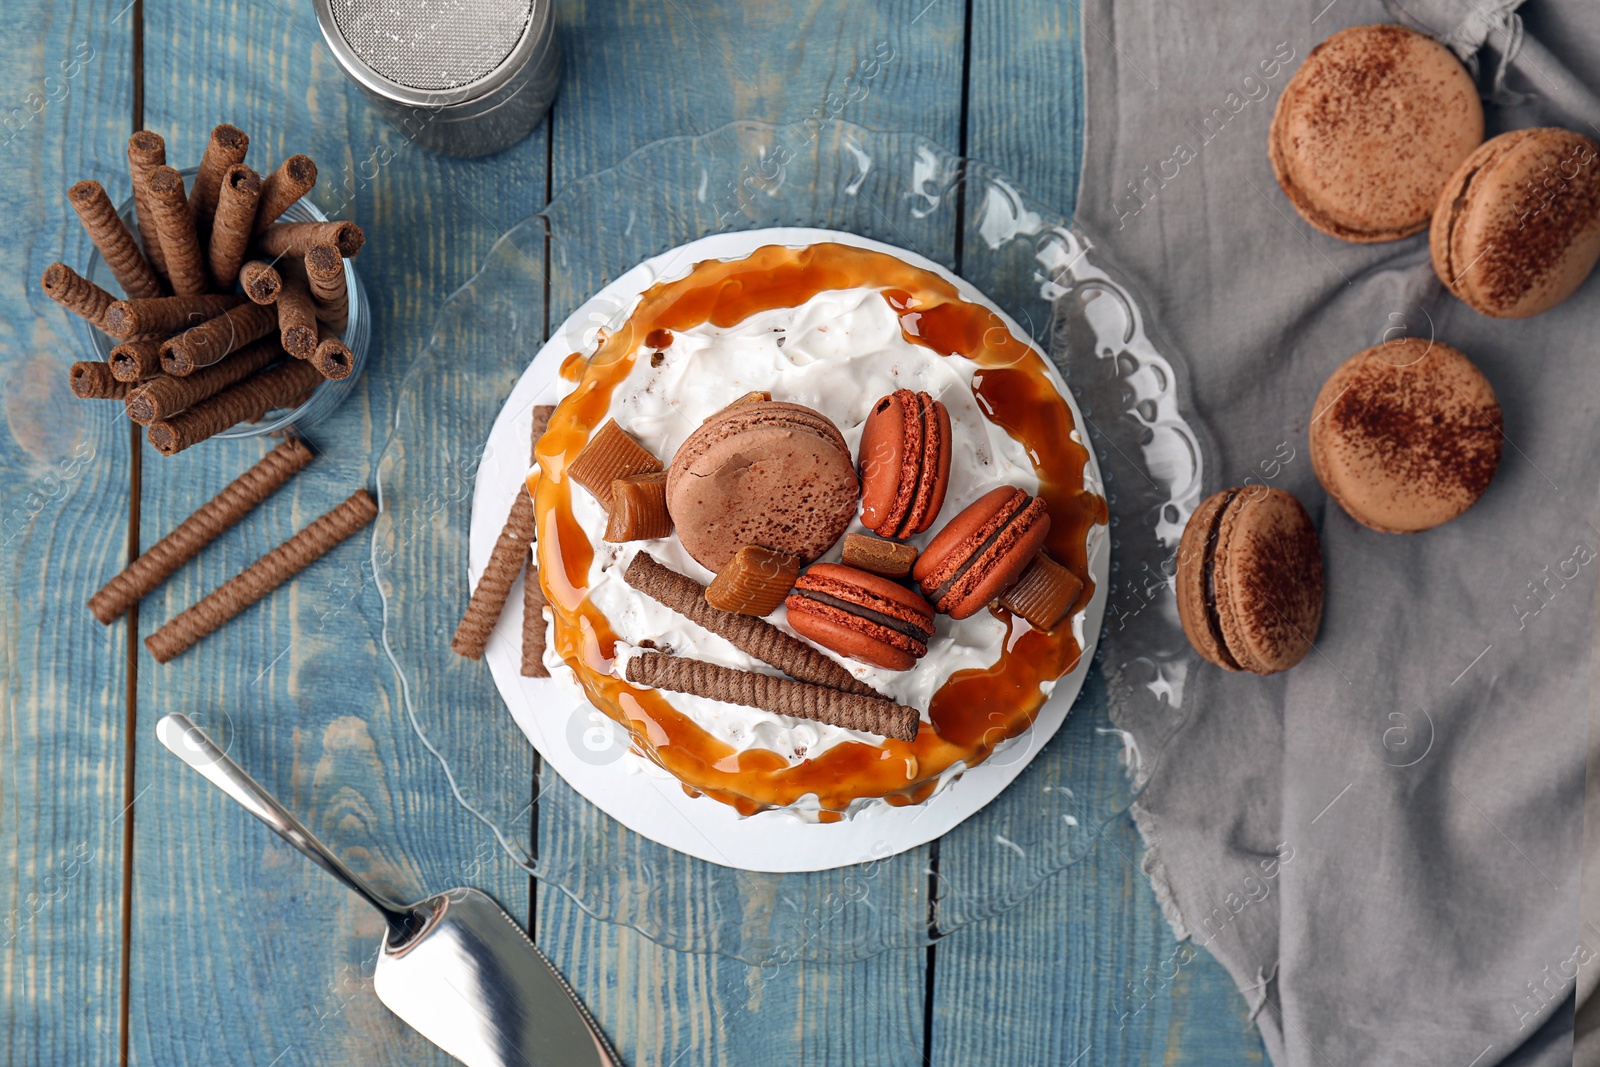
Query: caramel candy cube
(754, 582)
(1044, 594)
(639, 508)
(609, 455)
(891, 559)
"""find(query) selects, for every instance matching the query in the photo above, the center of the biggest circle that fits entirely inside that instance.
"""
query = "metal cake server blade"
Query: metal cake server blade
(454, 966)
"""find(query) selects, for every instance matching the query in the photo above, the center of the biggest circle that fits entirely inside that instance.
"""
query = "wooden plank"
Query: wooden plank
(63, 525)
(1085, 969)
(683, 70)
(242, 951)
(1025, 104)
(662, 1006)
(637, 73)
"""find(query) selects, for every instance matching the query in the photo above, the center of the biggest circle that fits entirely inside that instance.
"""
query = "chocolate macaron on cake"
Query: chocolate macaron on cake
(905, 464)
(982, 551)
(775, 508)
(1249, 580)
(861, 616)
(1406, 435)
(1517, 228)
(1369, 129)
(765, 473)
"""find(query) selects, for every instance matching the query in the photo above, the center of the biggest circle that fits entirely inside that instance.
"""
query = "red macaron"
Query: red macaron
(861, 616)
(904, 461)
(982, 551)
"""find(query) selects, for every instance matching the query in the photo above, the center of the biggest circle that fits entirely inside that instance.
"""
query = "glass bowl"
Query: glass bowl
(323, 400)
(902, 189)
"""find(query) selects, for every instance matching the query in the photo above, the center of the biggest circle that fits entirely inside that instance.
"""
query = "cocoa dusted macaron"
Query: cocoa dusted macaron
(1517, 227)
(764, 473)
(1250, 580)
(861, 616)
(1369, 129)
(982, 551)
(1406, 436)
(905, 464)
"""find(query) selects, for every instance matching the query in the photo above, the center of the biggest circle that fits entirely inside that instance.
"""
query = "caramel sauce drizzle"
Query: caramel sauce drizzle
(975, 709)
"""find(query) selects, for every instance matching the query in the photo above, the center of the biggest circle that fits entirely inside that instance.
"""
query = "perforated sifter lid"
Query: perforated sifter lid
(432, 44)
(464, 77)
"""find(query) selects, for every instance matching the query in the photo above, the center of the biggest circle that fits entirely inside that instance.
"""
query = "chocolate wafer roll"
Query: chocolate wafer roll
(76, 293)
(262, 576)
(146, 152)
(184, 543)
(247, 401)
(506, 561)
(93, 381)
(297, 315)
(226, 149)
(261, 281)
(533, 625)
(134, 361)
(110, 235)
(230, 229)
(164, 316)
(298, 238)
(325, 273)
(293, 179)
(782, 696)
(161, 397)
(186, 269)
(332, 358)
(749, 634)
(205, 344)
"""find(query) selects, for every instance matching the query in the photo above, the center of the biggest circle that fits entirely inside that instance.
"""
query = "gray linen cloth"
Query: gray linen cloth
(1382, 845)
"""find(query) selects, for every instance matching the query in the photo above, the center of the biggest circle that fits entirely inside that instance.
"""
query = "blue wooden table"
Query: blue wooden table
(145, 919)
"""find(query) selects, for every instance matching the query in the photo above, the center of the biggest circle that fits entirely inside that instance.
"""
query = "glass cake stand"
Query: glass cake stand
(904, 190)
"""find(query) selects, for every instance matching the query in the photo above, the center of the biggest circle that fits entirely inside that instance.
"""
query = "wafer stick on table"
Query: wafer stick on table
(755, 636)
(205, 344)
(261, 281)
(782, 696)
(226, 148)
(163, 316)
(533, 627)
(93, 380)
(146, 152)
(111, 236)
(184, 543)
(293, 179)
(134, 361)
(248, 401)
(163, 396)
(325, 273)
(262, 577)
(186, 269)
(76, 293)
(230, 229)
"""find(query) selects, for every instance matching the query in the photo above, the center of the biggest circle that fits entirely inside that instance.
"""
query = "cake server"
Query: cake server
(454, 966)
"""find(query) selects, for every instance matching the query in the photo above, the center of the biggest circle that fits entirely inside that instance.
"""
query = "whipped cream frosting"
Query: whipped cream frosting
(838, 353)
